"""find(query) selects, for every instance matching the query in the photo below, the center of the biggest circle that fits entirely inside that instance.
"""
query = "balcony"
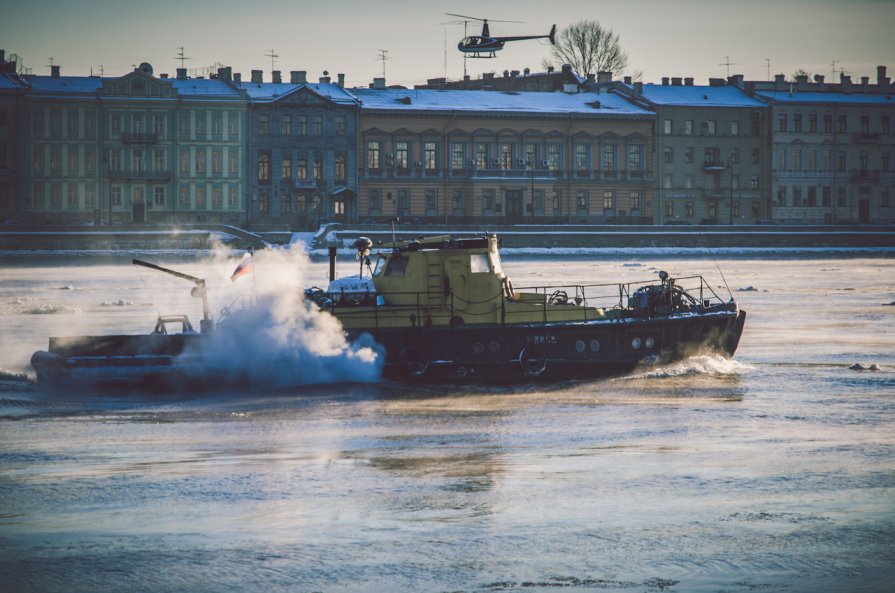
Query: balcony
(140, 175)
(305, 184)
(139, 137)
(714, 166)
(865, 138)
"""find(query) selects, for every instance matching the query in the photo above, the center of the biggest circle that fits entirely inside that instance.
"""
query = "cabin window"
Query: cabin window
(479, 264)
(380, 264)
(396, 266)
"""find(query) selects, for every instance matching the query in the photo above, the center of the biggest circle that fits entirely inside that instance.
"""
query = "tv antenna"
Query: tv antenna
(182, 56)
(768, 60)
(272, 57)
(383, 57)
(727, 63)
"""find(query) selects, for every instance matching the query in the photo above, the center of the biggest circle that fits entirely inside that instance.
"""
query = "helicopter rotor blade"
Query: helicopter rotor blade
(475, 18)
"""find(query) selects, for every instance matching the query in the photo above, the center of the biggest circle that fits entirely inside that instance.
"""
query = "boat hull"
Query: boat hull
(525, 353)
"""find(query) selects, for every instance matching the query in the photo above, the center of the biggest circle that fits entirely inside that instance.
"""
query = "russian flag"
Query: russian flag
(246, 266)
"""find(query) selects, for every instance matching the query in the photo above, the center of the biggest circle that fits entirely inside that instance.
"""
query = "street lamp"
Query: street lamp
(531, 166)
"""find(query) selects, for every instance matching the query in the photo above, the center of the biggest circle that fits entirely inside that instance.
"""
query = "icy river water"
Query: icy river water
(774, 471)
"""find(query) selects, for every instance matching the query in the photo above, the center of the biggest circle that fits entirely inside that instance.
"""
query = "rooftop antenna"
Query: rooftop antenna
(181, 56)
(51, 62)
(272, 57)
(727, 63)
(768, 60)
(383, 57)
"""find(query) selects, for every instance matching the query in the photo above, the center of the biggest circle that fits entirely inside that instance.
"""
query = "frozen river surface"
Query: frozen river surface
(771, 472)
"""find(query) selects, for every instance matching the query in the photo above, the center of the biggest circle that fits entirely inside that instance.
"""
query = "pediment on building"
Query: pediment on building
(139, 83)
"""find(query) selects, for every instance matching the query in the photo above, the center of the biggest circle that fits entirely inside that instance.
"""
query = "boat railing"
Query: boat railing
(548, 303)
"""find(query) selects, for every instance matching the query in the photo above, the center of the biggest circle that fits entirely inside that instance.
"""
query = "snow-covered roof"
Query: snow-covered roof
(698, 96)
(833, 97)
(65, 84)
(495, 101)
(205, 87)
(262, 92)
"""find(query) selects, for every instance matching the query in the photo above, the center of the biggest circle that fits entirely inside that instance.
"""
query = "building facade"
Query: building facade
(12, 88)
(711, 158)
(833, 149)
(503, 157)
(302, 151)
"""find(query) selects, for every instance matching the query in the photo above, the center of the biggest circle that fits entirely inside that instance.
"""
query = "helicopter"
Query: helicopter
(485, 46)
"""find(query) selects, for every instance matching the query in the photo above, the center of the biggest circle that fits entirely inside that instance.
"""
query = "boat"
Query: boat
(443, 310)
(446, 312)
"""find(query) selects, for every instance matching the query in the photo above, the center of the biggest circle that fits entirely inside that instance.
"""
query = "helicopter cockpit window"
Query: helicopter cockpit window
(479, 264)
(396, 266)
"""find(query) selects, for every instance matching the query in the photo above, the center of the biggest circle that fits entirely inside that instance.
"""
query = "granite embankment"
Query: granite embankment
(55, 238)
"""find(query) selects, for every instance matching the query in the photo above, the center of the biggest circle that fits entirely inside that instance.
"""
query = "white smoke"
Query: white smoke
(279, 340)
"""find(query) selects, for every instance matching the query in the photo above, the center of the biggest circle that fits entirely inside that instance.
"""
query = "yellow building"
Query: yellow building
(503, 157)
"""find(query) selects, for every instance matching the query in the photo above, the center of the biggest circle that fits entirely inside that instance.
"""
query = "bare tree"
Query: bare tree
(589, 48)
(801, 72)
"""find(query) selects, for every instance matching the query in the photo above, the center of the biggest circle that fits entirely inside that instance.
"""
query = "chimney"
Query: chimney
(676, 81)
(181, 74)
(750, 88)
(865, 80)
(627, 79)
(604, 76)
(716, 82)
(163, 75)
(514, 73)
(506, 73)
(664, 81)
(2, 55)
(54, 71)
(487, 76)
(298, 76)
(638, 89)
(802, 79)
(527, 71)
(688, 81)
(257, 76)
(550, 69)
(819, 78)
(379, 83)
(779, 82)
(341, 78)
(566, 69)
(881, 78)
(735, 80)
(845, 82)
(237, 77)
(325, 80)
(276, 76)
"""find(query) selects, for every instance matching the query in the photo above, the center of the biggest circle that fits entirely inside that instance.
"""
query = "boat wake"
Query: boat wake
(700, 365)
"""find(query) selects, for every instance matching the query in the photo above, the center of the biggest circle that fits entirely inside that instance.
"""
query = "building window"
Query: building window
(734, 156)
(530, 150)
(457, 202)
(158, 126)
(341, 125)
(688, 209)
(217, 124)
(884, 124)
(734, 182)
(232, 161)
(581, 201)
(756, 156)
(301, 125)
(635, 201)
(608, 160)
(884, 161)
(200, 123)
(812, 123)
(184, 126)
(668, 155)
(429, 156)
(688, 155)
(667, 181)
(373, 149)
(557, 201)
(184, 200)
(710, 127)
(582, 161)
(317, 125)
(341, 170)
(666, 127)
(285, 205)
(232, 197)
(286, 169)
(753, 182)
(884, 197)
(796, 196)
(72, 160)
(688, 127)
(734, 128)
(200, 161)
(812, 196)
(669, 209)
(374, 204)
(554, 157)
(841, 161)
(217, 162)
(158, 199)
(840, 196)
(73, 198)
(317, 169)
(403, 208)
(302, 171)
(71, 117)
(826, 196)
(712, 209)
(264, 204)
(797, 122)
(457, 157)
(635, 160)
(37, 124)
(487, 201)
(116, 124)
(506, 156)
(89, 196)
(538, 201)
(115, 196)
(688, 181)
(233, 125)
(263, 124)
(402, 156)
(263, 167)
(781, 123)
(200, 197)
(865, 123)
(481, 155)
(158, 160)
(431, 202)
(608, 200)
(115, 160)
(842, 124)
(286, 125)
(137, 160)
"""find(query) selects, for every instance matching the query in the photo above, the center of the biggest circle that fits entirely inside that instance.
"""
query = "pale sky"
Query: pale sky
(662, 37)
